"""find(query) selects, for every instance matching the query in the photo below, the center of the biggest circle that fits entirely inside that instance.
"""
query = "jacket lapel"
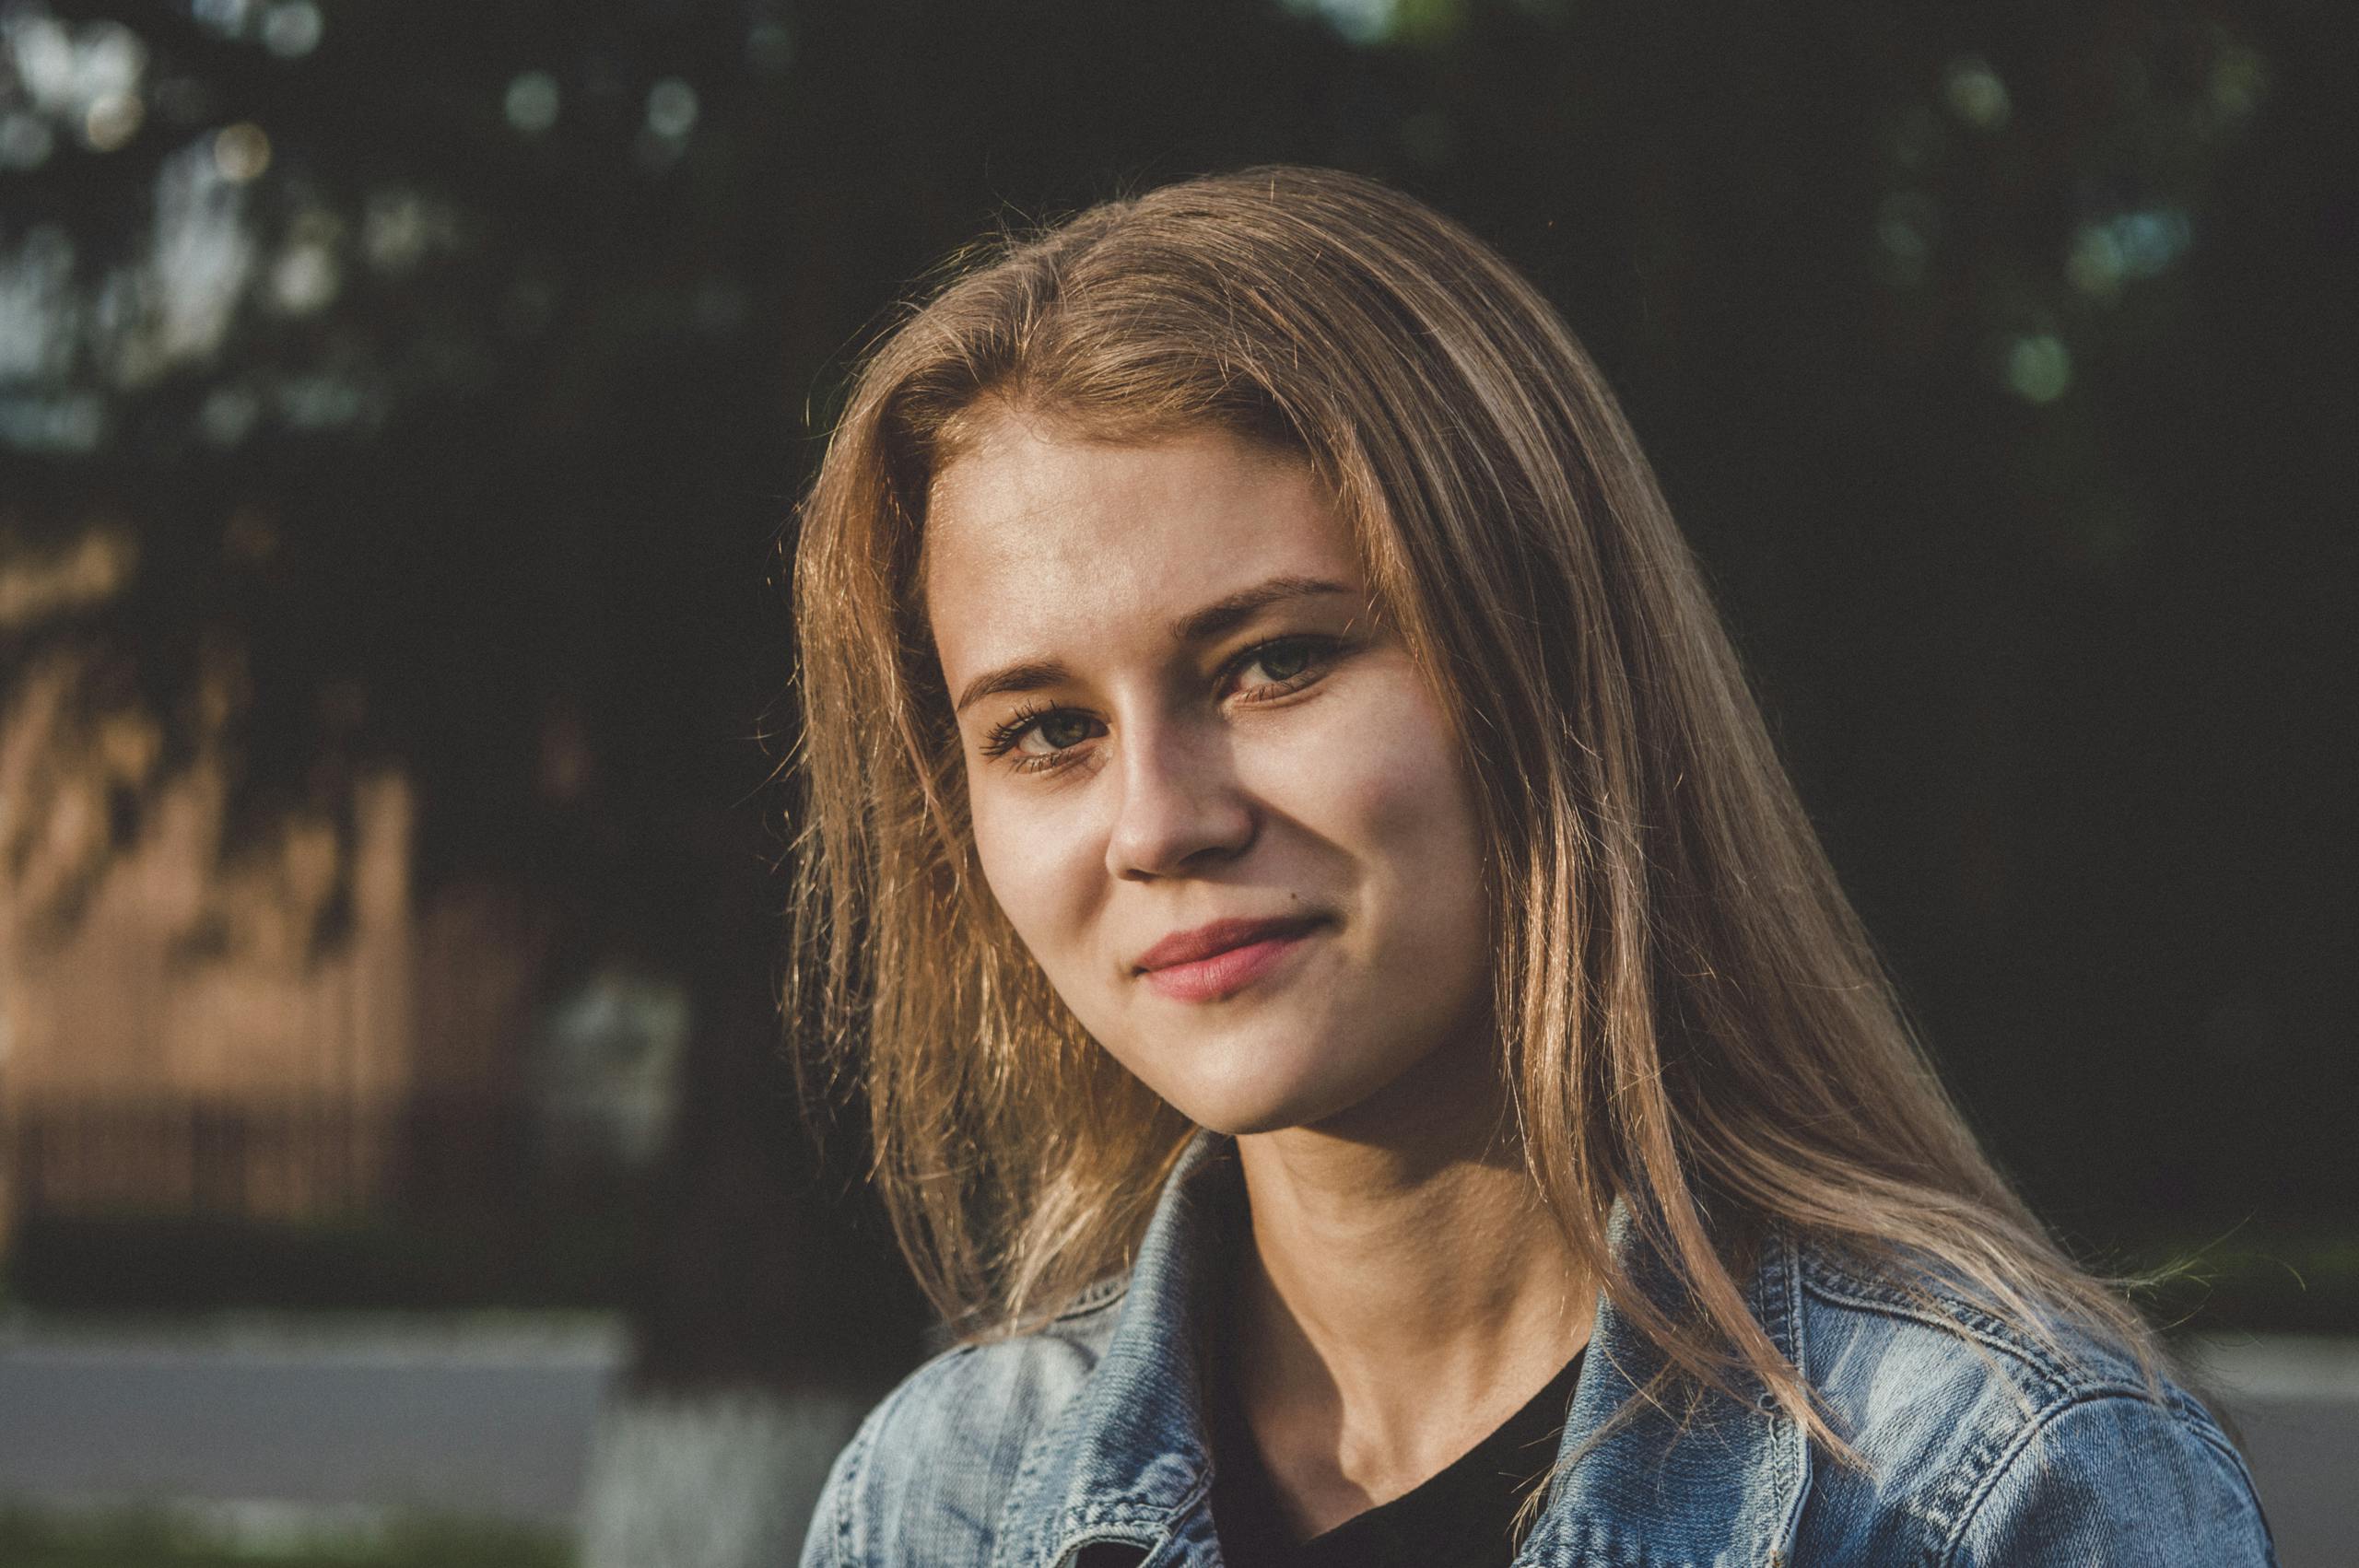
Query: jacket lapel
(1671, 1486)
(1126, 1461)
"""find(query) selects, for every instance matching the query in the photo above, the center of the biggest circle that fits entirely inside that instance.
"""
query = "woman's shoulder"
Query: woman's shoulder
(1989, 1439)
(922, 1478)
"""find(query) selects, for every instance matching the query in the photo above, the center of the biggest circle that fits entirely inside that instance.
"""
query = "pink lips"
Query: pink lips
(1222, 958)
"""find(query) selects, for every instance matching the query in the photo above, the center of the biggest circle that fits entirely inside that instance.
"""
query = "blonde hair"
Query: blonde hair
(1691, 1018)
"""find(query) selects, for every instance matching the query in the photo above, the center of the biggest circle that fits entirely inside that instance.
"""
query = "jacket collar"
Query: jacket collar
(1125, 1460)
(1719, 1483)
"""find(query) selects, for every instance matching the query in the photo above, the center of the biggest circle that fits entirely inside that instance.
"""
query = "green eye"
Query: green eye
(1058, 731)
(1040, 737)
(1284, 660)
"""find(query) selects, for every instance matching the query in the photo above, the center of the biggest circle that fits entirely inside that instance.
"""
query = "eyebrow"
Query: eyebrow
(1224, 615)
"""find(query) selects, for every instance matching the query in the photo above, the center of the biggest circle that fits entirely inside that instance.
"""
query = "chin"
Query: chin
(1269, 1067)
(1254, 1099)
(1245, 1121)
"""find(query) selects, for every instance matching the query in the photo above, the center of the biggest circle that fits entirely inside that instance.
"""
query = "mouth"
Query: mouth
(1220, 959)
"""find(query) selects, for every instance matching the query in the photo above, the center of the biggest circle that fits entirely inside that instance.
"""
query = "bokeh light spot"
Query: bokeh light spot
(1362, 21)
(112, 120)
(87, 77)
(1975, 94)
(111, 58)
(2239, 81)
(1906, 224)
(225, 17)
(532, 103)
(242, 152)
(292, 28)
(306, 279)
(1901, 241)
(672, 109)
(395, 230)
(2039, 367)
(2106, 254)
(42, 52)
(2151, 240)
(2094, 265)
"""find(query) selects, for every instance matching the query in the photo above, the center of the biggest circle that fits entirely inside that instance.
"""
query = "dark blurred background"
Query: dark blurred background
(401, 408)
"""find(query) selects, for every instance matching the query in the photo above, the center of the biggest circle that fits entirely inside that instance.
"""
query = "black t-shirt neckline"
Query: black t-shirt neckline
(1464, 1515)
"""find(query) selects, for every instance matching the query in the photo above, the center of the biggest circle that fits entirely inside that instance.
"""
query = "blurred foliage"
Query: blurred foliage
(2283, 1279)
(134, 1538)
(436, 380)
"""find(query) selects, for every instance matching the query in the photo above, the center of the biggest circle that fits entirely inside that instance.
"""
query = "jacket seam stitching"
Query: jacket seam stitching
(856, 1469)
(855, 1480)
(1089, 1302)
(2207, 1430)
(1078, 1527)
(2220, 1445)
(1972, 1321)
(1832, 1283)
(1980, 1496)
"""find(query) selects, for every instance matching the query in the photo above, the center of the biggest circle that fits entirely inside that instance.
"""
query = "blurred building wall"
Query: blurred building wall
(187, 1028)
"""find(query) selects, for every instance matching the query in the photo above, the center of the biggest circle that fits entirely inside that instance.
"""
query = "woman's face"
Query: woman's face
(1209, 789)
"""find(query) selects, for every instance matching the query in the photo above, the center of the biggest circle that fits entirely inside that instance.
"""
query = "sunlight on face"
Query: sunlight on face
(1210, 790)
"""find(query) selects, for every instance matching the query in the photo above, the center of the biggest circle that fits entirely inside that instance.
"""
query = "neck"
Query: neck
(1402, 1265)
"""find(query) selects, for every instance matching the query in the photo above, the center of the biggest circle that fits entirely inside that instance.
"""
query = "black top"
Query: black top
(1464, 1518)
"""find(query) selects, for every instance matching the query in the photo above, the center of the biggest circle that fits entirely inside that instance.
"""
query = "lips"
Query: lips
(1215, 962)
(1207, 941)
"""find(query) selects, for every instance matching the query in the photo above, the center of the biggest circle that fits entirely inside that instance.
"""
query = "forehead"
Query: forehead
(1036, 537)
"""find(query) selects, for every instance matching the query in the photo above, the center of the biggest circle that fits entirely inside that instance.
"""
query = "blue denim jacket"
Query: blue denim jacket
(1984, 1450)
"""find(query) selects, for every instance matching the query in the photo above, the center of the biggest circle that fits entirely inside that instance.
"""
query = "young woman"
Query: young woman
(1361, 1041)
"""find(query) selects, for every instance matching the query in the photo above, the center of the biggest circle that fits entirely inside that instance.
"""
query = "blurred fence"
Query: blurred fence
(313, 1158)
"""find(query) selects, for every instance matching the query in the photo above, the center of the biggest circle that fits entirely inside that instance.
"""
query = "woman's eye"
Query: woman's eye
(1055, 732)
(1039, 739)
(1280, 663)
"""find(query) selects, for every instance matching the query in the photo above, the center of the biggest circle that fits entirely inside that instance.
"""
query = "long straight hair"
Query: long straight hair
(1691, 1019)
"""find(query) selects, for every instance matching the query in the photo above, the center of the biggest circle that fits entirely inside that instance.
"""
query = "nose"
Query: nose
(1181, 806)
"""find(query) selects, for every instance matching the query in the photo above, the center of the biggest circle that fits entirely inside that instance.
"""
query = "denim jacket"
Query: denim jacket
(1083, 1443)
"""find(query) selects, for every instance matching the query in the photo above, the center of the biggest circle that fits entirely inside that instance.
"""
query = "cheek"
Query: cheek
(1395, 785)
(1404, 807)
(1032, 866)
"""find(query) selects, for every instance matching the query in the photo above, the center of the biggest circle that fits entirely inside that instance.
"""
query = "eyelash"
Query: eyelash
(1004, 737)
